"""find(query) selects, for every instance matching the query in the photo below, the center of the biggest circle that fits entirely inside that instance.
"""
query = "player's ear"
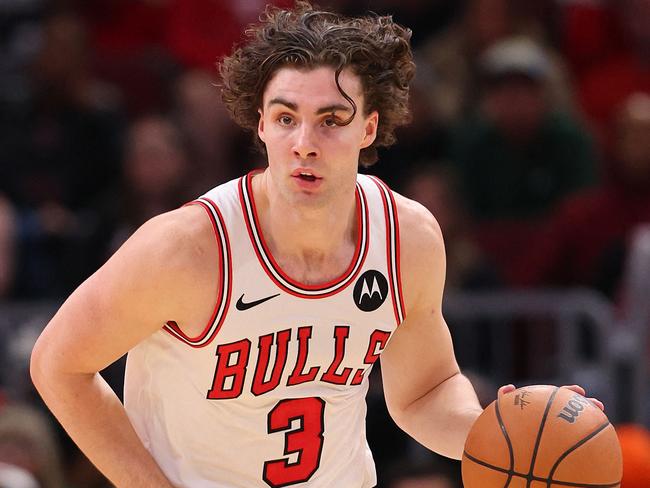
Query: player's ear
(260, 125)
(370, 129)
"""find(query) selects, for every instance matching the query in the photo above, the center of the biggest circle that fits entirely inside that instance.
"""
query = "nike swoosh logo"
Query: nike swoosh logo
(241, 305)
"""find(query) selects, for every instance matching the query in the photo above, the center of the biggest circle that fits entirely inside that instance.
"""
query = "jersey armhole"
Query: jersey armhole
(225, 279)
(392, 248)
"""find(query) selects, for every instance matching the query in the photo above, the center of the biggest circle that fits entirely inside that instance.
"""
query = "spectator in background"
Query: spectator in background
(201, 31)
(450, 62)
(423, 140)
(588, 33)
(60, 143)
(128, 40)
(626, 70)
(7, 244)
(201, 115)
(156, 175)
(19, 34)
(141, 45)
(518, 157)
(59, 150)
(436, 188)
(585, 240)
(27, 441)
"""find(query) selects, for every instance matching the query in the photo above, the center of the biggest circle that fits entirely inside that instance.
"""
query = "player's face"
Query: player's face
(312, 160)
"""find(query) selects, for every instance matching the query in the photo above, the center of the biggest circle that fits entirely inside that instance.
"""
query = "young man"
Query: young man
(253, 316)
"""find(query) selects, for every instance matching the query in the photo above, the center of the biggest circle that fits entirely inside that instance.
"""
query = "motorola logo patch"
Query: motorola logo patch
(370, 290)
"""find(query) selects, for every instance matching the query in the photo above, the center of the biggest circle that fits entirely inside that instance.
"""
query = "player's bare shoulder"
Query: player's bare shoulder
(186, 241)
(422, 250)
(166, 269)
(419, 229)
(181, 240)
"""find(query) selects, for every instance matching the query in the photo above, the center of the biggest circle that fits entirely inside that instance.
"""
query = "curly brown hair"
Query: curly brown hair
(374, 47)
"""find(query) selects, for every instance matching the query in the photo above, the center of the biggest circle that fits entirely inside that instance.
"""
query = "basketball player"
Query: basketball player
(254, 315)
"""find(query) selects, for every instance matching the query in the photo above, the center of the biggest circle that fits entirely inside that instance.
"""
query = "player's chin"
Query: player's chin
(312, 199)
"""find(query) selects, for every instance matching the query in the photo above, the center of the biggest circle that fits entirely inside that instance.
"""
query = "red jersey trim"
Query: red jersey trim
(225, 280)
(392, 248)
(274, 271)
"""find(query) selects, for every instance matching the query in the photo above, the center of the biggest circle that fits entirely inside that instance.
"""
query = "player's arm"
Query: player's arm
(425, 392)
(128, 299)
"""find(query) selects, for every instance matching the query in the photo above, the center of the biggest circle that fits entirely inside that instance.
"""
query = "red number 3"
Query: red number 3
(306, 440)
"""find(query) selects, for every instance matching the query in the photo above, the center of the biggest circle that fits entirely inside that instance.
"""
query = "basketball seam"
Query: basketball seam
(508, 442)
(539, 435)
(511, 472)
(491, 466)
(573, 448)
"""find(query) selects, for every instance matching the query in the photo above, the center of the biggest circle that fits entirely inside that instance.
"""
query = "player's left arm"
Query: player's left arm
(425, 392)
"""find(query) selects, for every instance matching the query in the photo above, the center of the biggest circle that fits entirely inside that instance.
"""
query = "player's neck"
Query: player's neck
(303, 233)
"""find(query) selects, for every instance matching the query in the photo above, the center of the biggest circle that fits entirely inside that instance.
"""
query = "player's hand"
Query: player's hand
(578, 389)
(506, 389)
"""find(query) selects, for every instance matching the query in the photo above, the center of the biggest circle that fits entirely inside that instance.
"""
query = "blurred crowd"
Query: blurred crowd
(530, 135)
(530, 143)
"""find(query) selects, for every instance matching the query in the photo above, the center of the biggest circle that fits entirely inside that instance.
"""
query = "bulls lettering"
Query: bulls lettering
(273, 351)
(341, 334)
(281, 346)
(226, 370)
(299, 376)
(378, 341)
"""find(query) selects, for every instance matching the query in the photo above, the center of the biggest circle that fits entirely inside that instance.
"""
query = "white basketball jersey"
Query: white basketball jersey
(272, 393)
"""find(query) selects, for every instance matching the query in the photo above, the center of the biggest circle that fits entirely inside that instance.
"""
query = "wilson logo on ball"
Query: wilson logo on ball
(573, 408)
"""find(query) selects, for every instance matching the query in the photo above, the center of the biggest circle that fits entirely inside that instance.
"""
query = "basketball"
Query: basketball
(542, 437)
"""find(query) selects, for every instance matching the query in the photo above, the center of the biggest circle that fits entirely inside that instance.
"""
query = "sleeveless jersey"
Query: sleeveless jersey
(272, 392)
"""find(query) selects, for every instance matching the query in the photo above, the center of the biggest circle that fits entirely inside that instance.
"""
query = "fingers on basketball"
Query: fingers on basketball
(542, 437)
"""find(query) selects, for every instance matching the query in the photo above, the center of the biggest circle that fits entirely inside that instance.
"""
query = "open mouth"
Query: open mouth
(307, 177)
(305, 174)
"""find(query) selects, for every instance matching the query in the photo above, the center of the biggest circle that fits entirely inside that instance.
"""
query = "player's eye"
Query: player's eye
(285, 120)
(330, 121)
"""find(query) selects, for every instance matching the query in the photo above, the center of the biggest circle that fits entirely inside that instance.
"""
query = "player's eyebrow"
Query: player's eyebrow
(335, 107)
(282, 101)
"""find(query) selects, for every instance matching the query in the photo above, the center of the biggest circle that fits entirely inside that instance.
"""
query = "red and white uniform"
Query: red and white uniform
(272, 393)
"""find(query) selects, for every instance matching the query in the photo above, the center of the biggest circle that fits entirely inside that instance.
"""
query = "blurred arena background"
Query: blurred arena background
(530, 143)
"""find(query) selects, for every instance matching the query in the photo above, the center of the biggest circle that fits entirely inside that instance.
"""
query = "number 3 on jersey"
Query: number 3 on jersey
(306, 440)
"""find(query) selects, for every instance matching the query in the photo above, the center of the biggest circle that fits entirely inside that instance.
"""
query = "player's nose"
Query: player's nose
(305, 144)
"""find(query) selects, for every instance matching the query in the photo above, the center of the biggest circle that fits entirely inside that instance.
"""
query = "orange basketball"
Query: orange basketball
(542, 437)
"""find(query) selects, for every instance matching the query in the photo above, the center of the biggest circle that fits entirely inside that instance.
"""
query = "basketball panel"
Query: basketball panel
(522, 411)
(478, 476)
(559, 485)
(571, 418)
(597, 461)
(486, 440)
(518, 482)
(540, 484)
